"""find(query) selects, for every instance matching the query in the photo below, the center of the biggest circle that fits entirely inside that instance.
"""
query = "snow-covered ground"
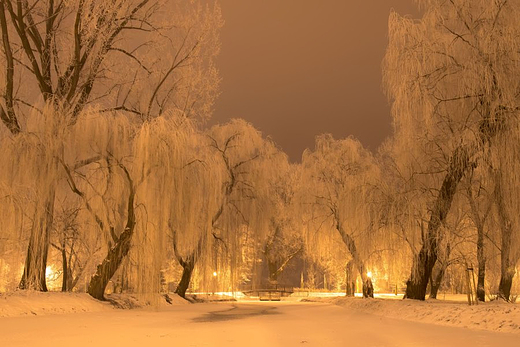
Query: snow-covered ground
(453, 311)
(32, 319)
(27, 303)
(32, 303)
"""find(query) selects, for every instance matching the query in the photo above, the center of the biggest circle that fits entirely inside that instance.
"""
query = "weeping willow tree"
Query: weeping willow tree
(29, 168)
(197, 194)
(141, 58)
(282, 240)
(107, 187)
(219, 186)
(143, 182)
(504, 168)
(453, 79)
(340, 174)
(403, 194)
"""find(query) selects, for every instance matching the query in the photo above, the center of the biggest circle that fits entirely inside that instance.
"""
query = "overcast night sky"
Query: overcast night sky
(298, 68)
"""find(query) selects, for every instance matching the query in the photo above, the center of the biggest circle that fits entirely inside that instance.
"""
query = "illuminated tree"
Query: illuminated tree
(60, 58)
(504, 168)
(340, 173)
(225, 172)
(453, 80)
(282, 240)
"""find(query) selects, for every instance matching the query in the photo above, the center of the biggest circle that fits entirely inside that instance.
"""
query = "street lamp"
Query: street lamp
(214, 282)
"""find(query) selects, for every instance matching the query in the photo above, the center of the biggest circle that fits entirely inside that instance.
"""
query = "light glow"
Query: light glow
(214, 274)
(49, 273)
(369, 274)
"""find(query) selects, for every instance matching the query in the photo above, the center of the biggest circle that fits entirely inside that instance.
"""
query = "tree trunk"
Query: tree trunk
(273, 270)
(64, 267)
(425, 261)
(187, 271)
(481, 258)
(479, 222)
(507, 267)
(350, 279)
(109, 266)
(435, 283)
(117, 253)
(506, 281)
(368, 288)
(66, 285)
(33, 277)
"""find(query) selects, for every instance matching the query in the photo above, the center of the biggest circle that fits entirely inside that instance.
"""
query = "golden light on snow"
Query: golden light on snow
(48, 272)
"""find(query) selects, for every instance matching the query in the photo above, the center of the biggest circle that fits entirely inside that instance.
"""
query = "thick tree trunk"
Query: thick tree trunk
(350, 279)
(33, 277)
(187, 271)
(507, 267)
(117, 253)
(187, 263)
(425, 261)
(106, 270)
(506, 282)
(436, 281)
(368, 288)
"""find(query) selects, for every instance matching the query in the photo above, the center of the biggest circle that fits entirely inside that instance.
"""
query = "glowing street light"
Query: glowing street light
(369, 274)
(214, 274)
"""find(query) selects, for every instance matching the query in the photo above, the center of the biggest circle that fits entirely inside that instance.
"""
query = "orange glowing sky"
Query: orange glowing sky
(298, 68)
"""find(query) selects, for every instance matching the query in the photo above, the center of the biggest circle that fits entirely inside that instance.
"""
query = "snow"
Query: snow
(496, 315)
(27, 303)
(339, 322)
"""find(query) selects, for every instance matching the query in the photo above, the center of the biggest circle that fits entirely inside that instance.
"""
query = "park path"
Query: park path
(237, 324)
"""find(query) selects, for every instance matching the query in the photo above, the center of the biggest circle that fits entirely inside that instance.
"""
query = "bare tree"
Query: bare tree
(73, 242)
(82, 52)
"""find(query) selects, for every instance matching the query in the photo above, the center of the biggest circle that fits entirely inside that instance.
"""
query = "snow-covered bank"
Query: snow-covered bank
(26, 303)
(496, 316)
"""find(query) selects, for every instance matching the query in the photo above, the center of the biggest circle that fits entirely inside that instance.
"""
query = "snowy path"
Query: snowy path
(237, 324)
